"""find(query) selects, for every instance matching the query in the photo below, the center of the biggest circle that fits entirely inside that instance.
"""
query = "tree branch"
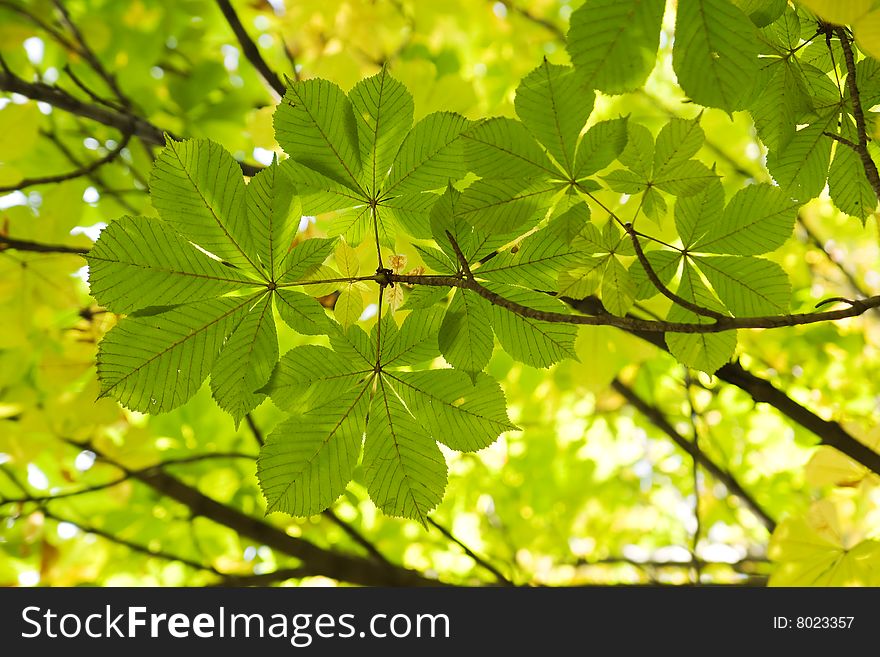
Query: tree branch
(250, 50)
(124, 122)
(38, 247)
(858, 114)
(352, 533)
(829, 432)
(134, 547)
(724, 323)
(89, 55)
(480, 561)
(657, 283)
(658, 419)
(82, 171)
(328, 563)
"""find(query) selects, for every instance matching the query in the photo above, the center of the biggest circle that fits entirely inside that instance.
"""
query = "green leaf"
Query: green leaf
(847, 182)
(274, 214)
(412, 212)
(355, 345)
(701, 351)
(583, 280)
(416, 342)
(677, 142)
(436, 259)
(638, 156)
(349, 307)
(304, 258)
(156, 362)
(383, 109)
(626, 182)
(346, 260)
(695, 214)
(618, 289)
(309, 458)
(613, 43)
(554, 105)
(762, 12)
(246, 362)
(197, 188)
(464, 416)
(654, 205)
(536, 262)
(505, 205)
(139, 262)
(748, 286)
(758, 219)
(663, 263)
(431, 155)
(465, 337)
(685, 178)
(715, 56)
(783, 100)
(309, 375)
(316, 126)
(600, 146)
(404, 470)
(301, 312)
(318, 193)
(532, 341)
(801, 166)
(503, 148)
(424, 296)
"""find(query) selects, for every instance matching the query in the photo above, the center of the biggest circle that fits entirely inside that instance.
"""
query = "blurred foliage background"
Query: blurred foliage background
(594, 490)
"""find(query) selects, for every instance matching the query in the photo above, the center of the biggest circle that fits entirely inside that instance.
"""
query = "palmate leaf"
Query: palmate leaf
(465, 336)
(758, 219)
(662, 165)
(197, 188)
(554, 104)
(273, 214)
(503, 148)
(141, 262)
(309, 458)
(532, 341)
(246, 362)
(316, 127)
(701, 351)
(599, 147)
(462, 415)
(715, 55)
(613, 43)
(801, 166)
(384, 110)
(339, 397)
(748, 286)
(192, 314)
(156, 361)
(404, 469)
(847, 183)
(360, 153)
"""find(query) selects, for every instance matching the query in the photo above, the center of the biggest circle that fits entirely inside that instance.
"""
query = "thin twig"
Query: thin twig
(124, 122)
(658, 419)
(70, 175)
(356, 536)
(250, 50)
(255, 430)
(655, 280)
(38, 247)
(89, 55)
(695, 471)
(473, 555)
